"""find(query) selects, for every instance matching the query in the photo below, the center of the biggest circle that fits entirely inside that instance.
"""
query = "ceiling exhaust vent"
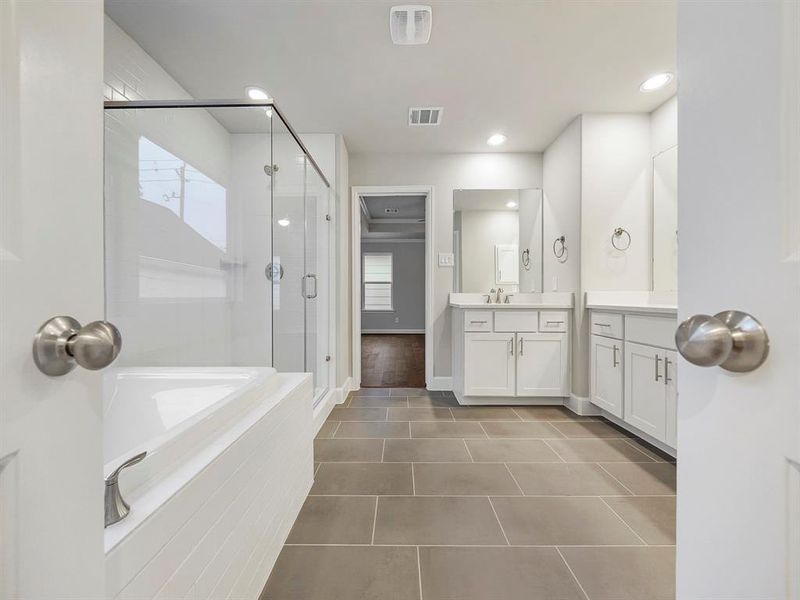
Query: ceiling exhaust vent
(410, 24)
(391, 211)
(425, 115)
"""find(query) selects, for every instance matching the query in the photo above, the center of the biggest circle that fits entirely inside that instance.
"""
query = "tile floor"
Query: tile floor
(418, 498)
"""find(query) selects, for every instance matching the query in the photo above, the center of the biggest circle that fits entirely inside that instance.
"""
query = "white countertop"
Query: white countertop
(530, 300)
(632, 301)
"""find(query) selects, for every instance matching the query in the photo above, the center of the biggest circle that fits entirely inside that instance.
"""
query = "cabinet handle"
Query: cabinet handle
(603, 324)
(479, 321)
(521, 346)
(658, 360)
(666, 371)
(511, 345)
(616, 362)
(555, 322)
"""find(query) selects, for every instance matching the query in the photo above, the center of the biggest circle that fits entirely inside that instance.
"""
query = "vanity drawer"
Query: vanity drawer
(653, 331)
(607, 324)
(553, 320)
(477, 320)
(516, 320)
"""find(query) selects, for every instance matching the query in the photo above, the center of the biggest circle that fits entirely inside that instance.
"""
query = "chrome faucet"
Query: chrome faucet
(497, 297)
(116, 508)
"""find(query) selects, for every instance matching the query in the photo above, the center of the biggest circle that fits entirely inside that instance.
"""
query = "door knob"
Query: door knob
(730, 339)
(61, 343)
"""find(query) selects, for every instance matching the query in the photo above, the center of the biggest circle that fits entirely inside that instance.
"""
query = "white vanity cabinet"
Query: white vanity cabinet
(510, 356)
(633, 372)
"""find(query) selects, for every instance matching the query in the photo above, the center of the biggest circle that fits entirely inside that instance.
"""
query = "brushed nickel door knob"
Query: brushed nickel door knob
(61, 343)
(731, 339)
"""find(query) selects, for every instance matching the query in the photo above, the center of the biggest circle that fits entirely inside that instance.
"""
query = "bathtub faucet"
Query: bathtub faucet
(116, 507)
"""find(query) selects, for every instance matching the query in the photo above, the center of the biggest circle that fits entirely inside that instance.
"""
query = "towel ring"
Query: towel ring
(618, 233)
(526, 259)
(560, 240)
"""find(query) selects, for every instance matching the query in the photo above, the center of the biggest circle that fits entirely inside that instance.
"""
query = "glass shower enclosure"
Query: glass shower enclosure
(216, 238)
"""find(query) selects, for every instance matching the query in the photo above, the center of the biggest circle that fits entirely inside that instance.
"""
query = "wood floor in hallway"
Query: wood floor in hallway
(393, 361)
(416, 497)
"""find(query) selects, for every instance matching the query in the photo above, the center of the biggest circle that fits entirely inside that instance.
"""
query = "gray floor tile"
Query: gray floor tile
(433, 400)
(646, 479)
(485, 413)
(372, 429)
(445, 429)
(368, 479)
(372, 392)
(652, 517)
(340, 413)
(377, 402)
(519, 429)
(327, 429)
(408, 392)
(496, 574)
(590, 429)
(561, 521)
(420, 413)
(597, 450)
(624, 573)
(344, 573)
(334, 520)
(421, 520)
(510, 450)
(565, 479)
(463, 479)
(548, 413)
(425, 450)
(349, 450)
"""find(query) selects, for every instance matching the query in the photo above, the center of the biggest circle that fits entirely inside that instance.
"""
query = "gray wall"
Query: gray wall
(408, 266)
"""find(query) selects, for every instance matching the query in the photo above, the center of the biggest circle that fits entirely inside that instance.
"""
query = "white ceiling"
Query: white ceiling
(525, 68)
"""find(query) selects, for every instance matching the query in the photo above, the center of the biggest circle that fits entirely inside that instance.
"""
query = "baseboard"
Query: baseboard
(393, 331)
(638, 432)
(345, 390)
(444, 384)
(324, 408)
(581, 406)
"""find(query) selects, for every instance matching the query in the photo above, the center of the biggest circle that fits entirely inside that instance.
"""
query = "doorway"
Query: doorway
(392, 343)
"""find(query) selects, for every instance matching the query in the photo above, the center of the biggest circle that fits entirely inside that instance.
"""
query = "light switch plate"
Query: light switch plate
(447, 259)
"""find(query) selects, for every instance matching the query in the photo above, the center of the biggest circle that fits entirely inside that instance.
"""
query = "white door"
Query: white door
(606, 374)
(51, 263)
(489, 364)
(542, 360)
(671, 385)
(738, 527)
(645, 392)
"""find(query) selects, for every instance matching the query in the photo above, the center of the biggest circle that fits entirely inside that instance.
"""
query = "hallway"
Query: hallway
(393, 361)
(416, 497)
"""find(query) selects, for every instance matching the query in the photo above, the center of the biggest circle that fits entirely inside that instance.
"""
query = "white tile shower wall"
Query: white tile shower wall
(446, 172)
(221, 534)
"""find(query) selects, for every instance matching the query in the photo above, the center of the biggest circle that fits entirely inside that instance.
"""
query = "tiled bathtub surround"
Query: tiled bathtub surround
(416, 497)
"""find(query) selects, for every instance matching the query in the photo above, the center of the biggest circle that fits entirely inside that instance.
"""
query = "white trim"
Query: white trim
(401, 190)
(581, 406)
(391, 331)
(392, 241)
(324, 407)
(441, 384)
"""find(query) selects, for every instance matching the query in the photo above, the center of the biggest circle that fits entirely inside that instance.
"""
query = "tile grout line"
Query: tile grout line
(610, 474)
(413, 483)
(468, 452)
(623, 520)
(419, 573)
(498, 519)
(374, 521)
(519, 487)
(383, 449)
(396, 545)
(575, 577)
(335, 431)
(655, 460)
(553, 450)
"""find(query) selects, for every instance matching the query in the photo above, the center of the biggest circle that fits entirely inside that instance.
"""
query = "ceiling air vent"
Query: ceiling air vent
(425, 115)
(410, 24)
(391, 211)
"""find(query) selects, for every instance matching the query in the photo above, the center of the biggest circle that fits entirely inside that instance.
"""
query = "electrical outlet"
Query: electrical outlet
(397, 320)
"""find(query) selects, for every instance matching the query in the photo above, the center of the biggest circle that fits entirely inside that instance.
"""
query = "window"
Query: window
(377, 281)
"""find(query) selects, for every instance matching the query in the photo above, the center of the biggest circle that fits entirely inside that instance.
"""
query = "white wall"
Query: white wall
(664, 126)
(408, 288)
(446, 172)
(481, 231)
(562, 216)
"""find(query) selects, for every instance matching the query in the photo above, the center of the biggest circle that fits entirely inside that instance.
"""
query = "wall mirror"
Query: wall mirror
(665, 220)
(497, 240)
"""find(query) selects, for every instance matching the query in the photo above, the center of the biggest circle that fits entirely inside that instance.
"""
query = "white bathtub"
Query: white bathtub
(229, 463)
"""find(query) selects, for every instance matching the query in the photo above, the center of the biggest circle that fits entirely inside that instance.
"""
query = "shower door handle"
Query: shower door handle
(306, 293)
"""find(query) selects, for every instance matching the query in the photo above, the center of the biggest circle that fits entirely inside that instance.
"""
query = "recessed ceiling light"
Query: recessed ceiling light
(656, 82)
(511, 204)
(283, 222)
(256, 93)
(496, 139)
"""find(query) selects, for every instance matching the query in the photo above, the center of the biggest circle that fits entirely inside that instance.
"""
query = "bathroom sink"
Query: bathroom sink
(517, 300)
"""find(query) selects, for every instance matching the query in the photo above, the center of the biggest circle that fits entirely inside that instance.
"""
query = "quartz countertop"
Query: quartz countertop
(563, 300)
(634, 301)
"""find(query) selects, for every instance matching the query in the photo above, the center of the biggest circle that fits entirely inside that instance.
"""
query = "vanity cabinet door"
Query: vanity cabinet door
(671, 383)
(645, 392)
(606, 374)
(489, 364)
(542, 364)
